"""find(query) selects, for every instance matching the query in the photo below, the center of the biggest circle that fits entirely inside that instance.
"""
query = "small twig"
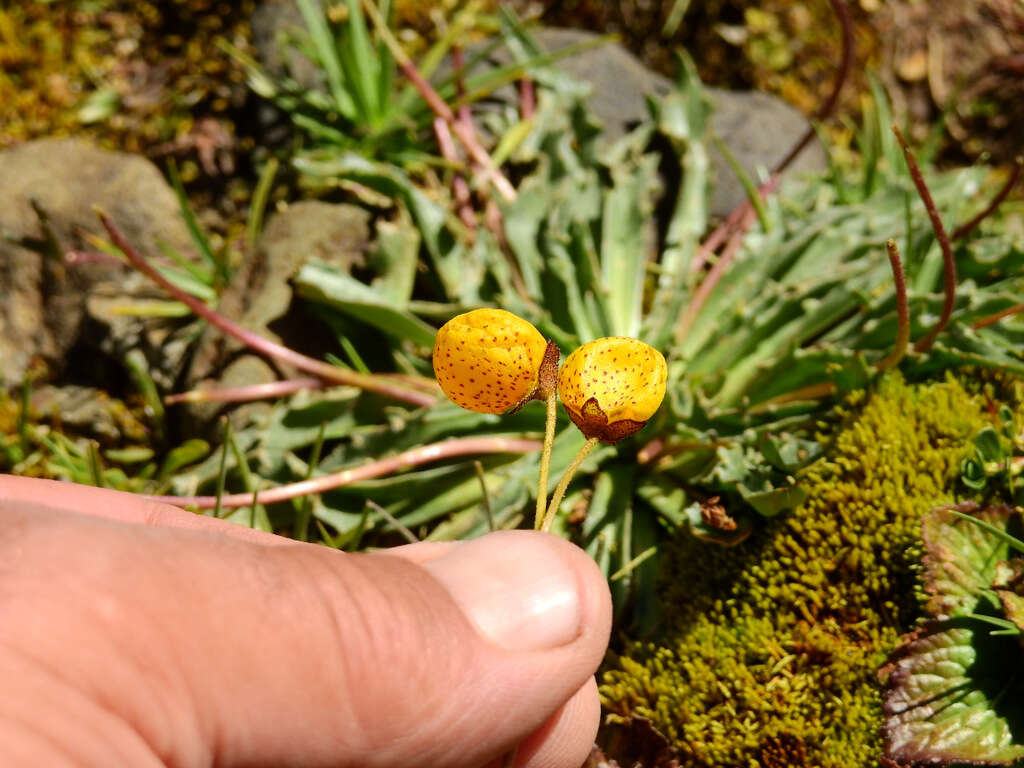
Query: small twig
(478, 467)
(902, 312)
(259, 343)
(651, 451)
(438, 105)
(1011, 182)
(446, 449)
(810, 392)
(948, 264)
(992, 319)
(394, 521)
(727, 228)
(78, 258)
(245, 394)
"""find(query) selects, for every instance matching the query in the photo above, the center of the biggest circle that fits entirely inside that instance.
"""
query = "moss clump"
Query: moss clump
(776, 641)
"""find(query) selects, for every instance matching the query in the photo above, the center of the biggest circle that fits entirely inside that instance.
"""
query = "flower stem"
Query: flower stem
(551, 402)
(556, 499)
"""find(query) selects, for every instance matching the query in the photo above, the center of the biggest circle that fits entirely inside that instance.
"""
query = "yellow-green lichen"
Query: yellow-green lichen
(776, 641)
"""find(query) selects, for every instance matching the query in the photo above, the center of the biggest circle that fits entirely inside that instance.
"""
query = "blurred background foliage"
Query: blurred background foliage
(151, 76)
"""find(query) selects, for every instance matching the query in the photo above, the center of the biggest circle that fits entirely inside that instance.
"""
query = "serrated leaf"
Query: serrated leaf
(955, 695)
(960, 559)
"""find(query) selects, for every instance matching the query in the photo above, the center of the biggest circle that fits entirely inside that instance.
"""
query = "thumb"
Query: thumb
(225, 650)
(440, 656)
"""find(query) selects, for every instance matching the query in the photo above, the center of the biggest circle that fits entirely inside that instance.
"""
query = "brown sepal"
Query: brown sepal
(593, 422)
(547, 377)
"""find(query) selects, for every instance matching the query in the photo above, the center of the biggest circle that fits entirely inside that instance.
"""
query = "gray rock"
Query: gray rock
(87, 411)
(46, 202)
(259, 297)
(274, 24)
(757, 127)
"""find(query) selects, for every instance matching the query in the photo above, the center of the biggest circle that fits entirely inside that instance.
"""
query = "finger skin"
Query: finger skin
(216, 648)
(566, 739)
(51, 495)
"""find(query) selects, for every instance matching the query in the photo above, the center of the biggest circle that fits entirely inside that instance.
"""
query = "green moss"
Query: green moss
(777, 640)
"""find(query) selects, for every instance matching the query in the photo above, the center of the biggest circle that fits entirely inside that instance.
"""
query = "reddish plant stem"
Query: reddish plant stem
(447, 449)
(902, 311)
(527, 99)
(259, 343)
(715, 274)
(1011, 182)
(727, 228)
(460, 187)
(993, 319)
(245, 394)
(438, 105)
(948, 264)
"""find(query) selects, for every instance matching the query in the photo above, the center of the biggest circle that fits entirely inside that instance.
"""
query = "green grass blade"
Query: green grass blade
(258, 206)
(327, 54)
(195, 231)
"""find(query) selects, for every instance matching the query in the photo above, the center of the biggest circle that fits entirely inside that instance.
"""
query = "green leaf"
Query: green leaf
(625, 210)
(329, 285)
(961, 555)
(327, 56)
(988, 445)
(187, 453)
(99, 106)
(955, 695)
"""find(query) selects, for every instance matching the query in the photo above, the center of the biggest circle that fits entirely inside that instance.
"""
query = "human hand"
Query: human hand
(135, 633)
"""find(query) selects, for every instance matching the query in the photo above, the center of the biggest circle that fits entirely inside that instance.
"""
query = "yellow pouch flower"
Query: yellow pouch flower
(488, 360)
(610, 387)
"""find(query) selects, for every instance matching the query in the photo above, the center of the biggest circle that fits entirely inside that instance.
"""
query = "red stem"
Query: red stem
(245, 394)
(992, 319)
(466, 136)
(424, 454)
(259, 343)
(948, 264)
(460, 188)
(902, 311)
(967, 227)
(527, 98)
(714, 274)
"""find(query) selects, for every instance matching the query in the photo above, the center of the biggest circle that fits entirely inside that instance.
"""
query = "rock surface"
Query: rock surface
(757, 127)
(259, 296)
(46, 204)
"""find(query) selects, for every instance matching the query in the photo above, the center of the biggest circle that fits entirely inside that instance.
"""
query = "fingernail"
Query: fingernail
(518, 589)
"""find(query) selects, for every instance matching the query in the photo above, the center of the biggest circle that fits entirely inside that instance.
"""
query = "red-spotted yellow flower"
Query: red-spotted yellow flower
(610, 387)
(488, 360)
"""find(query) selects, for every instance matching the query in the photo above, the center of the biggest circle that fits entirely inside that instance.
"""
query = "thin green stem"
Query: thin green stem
(551, 402)
(556, 499)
